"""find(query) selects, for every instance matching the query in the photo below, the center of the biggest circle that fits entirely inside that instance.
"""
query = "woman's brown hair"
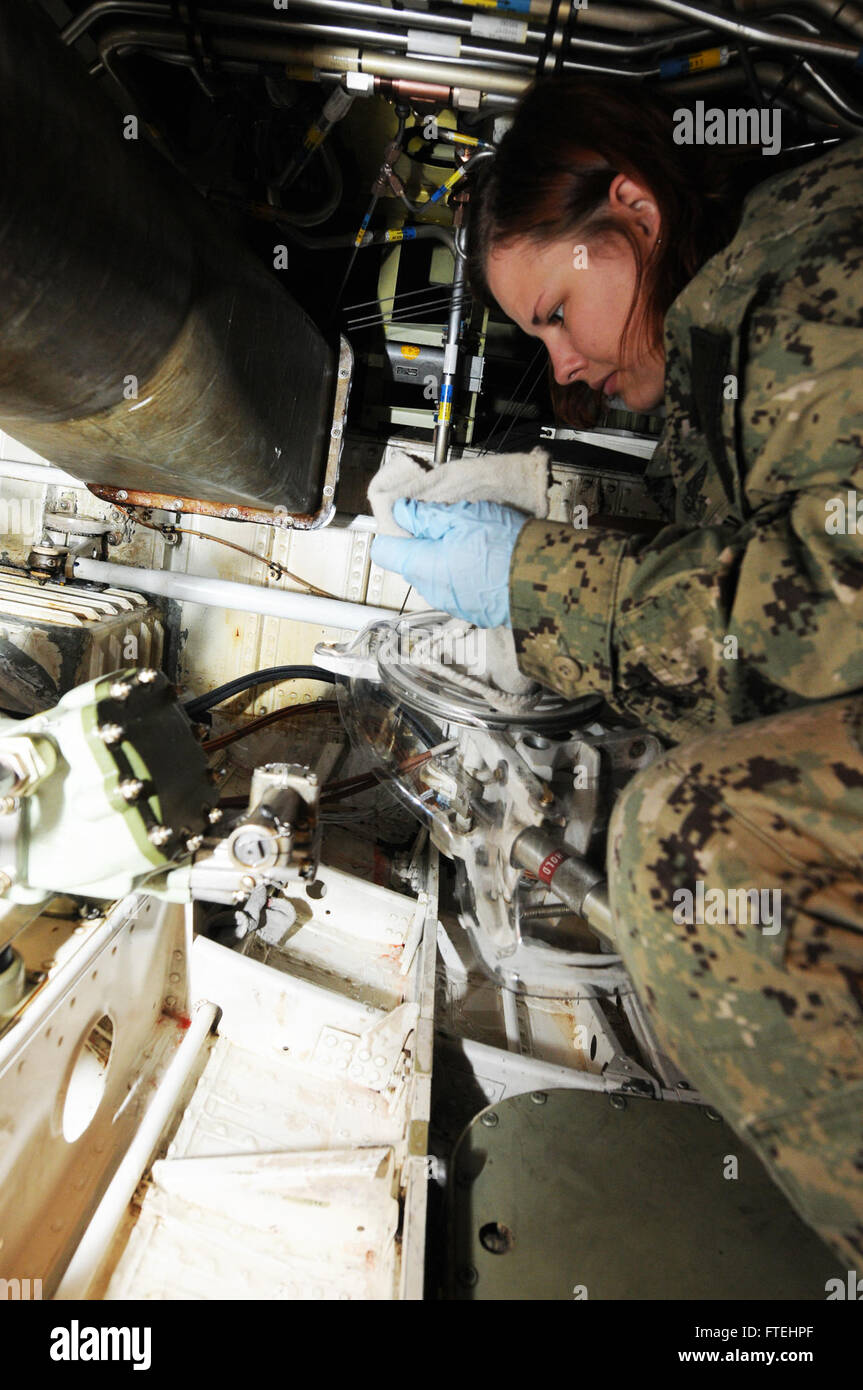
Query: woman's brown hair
(550, 178)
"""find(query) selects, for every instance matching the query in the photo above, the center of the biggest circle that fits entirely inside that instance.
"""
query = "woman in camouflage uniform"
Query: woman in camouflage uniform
(735, 632)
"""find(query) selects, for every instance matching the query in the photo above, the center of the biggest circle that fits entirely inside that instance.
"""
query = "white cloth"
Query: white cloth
(515, 480)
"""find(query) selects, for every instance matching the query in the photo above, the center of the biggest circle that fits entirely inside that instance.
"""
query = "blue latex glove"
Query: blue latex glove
(460, 559)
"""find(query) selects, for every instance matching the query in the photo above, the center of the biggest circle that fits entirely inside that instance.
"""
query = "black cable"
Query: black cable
(201, 703)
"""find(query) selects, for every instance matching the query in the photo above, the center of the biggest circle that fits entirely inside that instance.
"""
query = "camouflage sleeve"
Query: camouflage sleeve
(702, 628)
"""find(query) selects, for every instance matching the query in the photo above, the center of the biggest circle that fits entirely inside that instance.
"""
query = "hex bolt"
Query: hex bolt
(111, 733)
(214, 816)
(159, 835)
(194, 842)
(130, 788)
(120, 690)
(489, 1119)
(539, 1097)
(618, 1102)
(147, 675)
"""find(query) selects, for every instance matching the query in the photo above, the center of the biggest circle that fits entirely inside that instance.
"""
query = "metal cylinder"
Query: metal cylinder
(140, 344)
(575, 882)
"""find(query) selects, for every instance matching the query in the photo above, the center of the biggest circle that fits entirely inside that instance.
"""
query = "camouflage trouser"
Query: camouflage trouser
(766, 1023)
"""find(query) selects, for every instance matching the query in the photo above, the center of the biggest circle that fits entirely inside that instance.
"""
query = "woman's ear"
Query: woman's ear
(632, 199)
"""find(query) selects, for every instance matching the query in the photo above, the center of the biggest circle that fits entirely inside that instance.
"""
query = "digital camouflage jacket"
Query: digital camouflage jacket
(750, 599)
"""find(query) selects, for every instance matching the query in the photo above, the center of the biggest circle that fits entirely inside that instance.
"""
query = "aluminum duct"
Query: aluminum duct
(140, 345)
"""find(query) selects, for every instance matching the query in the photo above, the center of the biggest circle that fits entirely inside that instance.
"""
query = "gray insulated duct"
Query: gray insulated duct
(113, 273)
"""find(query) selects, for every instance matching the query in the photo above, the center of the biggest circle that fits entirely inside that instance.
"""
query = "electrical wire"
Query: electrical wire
(502, 416)
(268, 675)
(278, 570)
(316, 706)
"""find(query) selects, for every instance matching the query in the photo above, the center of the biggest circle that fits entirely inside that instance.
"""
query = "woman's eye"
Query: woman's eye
(557, 315)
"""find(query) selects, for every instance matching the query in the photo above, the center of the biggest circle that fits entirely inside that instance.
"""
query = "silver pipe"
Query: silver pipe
(327, 58)
(81, 23)
(443, 424)
(417, 19)
(625, 21)
(798, 87)
(752, 33)
(581, 887)
(346, 33)
(850, 112)
(846, 16)
(429, 231)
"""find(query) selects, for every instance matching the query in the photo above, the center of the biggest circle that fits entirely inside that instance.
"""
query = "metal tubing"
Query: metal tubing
(443, 424)
(415, 19)
(226, 593)
(755, 33)
(90, 1251)
(575, 882)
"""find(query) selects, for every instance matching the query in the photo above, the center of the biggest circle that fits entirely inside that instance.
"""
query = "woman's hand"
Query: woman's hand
(458, 556)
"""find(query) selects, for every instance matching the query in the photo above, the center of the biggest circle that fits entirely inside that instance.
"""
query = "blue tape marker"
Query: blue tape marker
(517, 6)
(673, 67)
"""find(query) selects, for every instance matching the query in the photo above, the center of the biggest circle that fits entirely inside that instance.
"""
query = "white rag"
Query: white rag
(515, 480)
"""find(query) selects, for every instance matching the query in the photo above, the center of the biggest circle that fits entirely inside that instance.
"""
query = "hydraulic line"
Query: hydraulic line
(268, 675)
(826, 49)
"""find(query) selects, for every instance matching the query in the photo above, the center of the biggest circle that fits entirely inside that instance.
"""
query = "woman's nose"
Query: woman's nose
(566, 363)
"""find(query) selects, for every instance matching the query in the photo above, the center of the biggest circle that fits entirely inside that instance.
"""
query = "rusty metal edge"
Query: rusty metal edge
(297, 521)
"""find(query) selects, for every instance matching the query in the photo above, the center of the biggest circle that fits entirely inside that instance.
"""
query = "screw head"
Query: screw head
(122, 494)
(618, 1102)
(711, 1113)
(214, 816)
(539, 1097)
(159, 835)
(147, 675)
(120, 690)
(177, 504)
(233, 513)
(490, 1119)
(194, 842)
(111, 733)
(131, 788)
